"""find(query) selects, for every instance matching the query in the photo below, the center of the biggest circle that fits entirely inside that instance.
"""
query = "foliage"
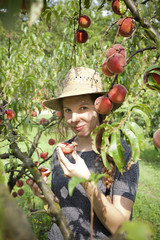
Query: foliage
(35, 55)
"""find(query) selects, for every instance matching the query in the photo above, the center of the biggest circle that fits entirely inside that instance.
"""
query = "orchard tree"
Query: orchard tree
(41, 41)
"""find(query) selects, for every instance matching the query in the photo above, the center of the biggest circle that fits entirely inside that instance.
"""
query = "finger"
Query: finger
(67, 164)
(75, 156)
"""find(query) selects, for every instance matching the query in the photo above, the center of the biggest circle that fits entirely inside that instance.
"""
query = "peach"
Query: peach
(51, 141)
(106, 71)
(125, 26)
(58, 114)
(14, 194)
(117, 48)
(43, 120)
(44, 155)
(20, 192)
(81, 36)
(29, 182)
(67, 147)
(116, 7)
(156, 139)
(84, 21)
(19, 183)
(103, 105)
(154, 75)
(116, 63)
(10, 114)
(33, 113)
(117, 94)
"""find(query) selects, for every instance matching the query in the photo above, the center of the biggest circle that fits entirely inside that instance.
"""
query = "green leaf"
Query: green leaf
(138, 131)
(94, 135)
(73, 183)
(104, 148)
(123, 7)
(150, 68)
(87, 3)
(102, 4)
(144, 116)
(133, 142)
(116, 150)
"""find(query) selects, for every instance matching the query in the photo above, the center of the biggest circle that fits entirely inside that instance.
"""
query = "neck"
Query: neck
(84, 143)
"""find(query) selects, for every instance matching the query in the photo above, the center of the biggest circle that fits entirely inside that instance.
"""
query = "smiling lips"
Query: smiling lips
(78, 128)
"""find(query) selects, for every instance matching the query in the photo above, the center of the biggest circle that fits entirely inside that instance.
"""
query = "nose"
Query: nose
(75, 117)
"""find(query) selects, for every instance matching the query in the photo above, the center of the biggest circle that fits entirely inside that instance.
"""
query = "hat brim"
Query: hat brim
(55, 103)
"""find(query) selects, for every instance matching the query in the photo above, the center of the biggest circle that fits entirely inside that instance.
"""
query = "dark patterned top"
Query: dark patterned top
(77, 208)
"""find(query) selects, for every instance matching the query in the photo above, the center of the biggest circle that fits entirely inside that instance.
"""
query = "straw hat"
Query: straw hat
(78, 81)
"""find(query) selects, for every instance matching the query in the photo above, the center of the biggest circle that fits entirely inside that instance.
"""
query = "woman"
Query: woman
(77, 106)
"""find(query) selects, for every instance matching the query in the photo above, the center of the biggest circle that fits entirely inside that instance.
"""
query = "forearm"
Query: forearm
(107, 213)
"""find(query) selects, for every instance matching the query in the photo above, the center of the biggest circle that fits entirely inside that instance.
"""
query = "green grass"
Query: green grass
(147, 205)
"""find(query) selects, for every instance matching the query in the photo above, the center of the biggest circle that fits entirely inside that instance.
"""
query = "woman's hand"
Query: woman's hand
(78, 169)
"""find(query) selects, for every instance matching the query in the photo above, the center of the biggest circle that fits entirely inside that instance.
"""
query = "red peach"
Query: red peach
(125, 26)
(29, 182)
(43, 120)
(117, 94)
(10, 114)
(20, 192)
(51, 141)
(14, 194)
(67, 147)
(58, 114)
(81, 36)
(33, 113)
(44, 155)
(84, 21)
(103, 105)
(116, 7)
(156, 139)
(106, 71)
(116, 63)
(44, 171)
(19, 183)
(156, 76)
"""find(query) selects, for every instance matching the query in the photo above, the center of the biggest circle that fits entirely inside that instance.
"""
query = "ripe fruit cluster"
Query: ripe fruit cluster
(115, 62)
(20, 191)
(81, 36)
(45, 172)
(156, 139)
(116, 95)
(44, 155)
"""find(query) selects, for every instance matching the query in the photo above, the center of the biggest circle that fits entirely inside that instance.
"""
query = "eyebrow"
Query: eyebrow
(84, 103)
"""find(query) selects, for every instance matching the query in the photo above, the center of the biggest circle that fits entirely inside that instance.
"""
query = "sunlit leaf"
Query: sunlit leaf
(138, 131)
(133, 143)
(73, 183)
(116, 150)
(104, 147)
(144, 117)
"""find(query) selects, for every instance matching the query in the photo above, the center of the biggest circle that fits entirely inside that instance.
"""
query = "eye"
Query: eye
(84, 108)
(67, 110)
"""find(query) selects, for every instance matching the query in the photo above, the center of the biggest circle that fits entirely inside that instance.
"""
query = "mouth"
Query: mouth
(78, 128)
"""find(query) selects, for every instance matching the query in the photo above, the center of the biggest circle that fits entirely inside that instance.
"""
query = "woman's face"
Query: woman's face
(80, 114)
